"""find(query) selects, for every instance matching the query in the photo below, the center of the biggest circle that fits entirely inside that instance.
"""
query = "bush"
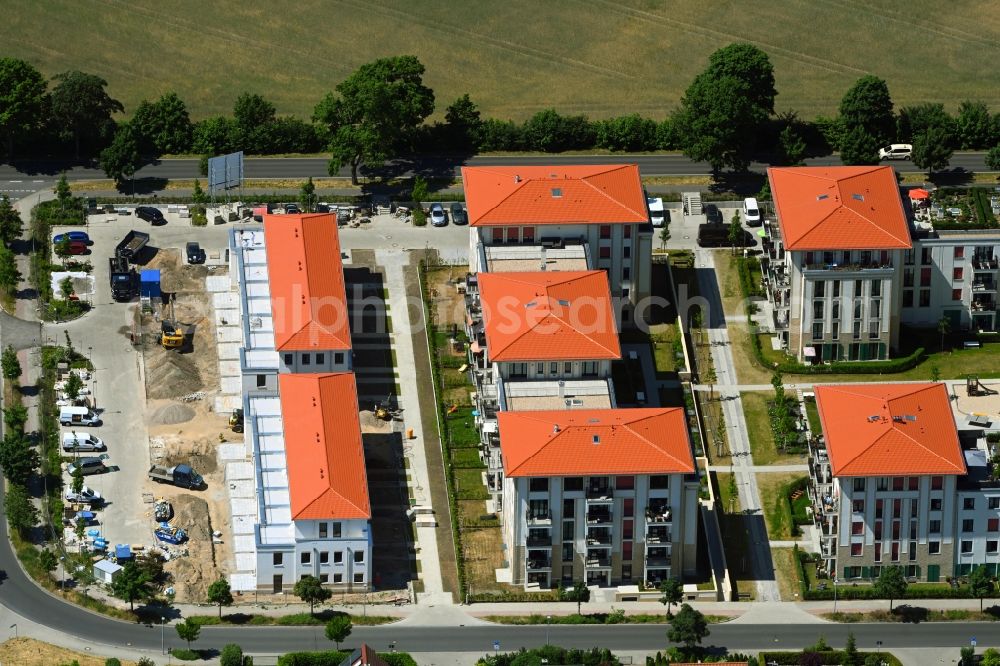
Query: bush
(184, 654)
(198, 217)
(112, 661)
(326, 658)
(231, 655)
(419, 218)
(745, 267)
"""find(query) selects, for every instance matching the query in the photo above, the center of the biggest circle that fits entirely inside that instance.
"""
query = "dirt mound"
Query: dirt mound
(193, 573)
(176, 276)
(171, 414)
(170, 375)
(199, 454)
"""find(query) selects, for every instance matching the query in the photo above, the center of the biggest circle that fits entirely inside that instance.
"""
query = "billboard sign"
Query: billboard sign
(225, 172)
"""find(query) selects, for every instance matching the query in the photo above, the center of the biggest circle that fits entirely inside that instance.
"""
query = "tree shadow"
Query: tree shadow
(911, 614)
(53, 167)
(145, 185)
(746, 183)
(952, 177)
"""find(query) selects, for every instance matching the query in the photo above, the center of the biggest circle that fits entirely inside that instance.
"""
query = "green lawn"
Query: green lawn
(773, 488)
(762, 445)
(812, 414)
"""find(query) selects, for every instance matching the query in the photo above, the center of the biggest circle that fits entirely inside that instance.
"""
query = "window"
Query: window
(936, 504)
(878, 551)
(882, 483)
(359, 577)
(306, 359)
(911, 550)
(925, 277)
(857, 288)
(925, 298)
(835, 315)
(605, 231)
(991, 546)
(278, 559)
(993, 524)
(934, 527)
(876, 288)
(324, 579)
(528, 235)
(261, 381)
(969, 503)
(513, 234)
(627, 231)
(875, 309)
(553, 368)
(627, 529)
(873, 332)
(877, 530)
(857, 308)
(968, 525)
(568, 530)
(914, 482)
(895, 552)
(628, 507)
(857, 528)
(359, 556)
(627, 254)
(856, 330)
(897, 483)
(568, 368)
(925, 255)
(856, 549)
(659, 482)
(835, 331)
(878, 508)
(289, 359)
(627, 550)
(933, 547)
(338, 578)
(572, 483)
(836, 288)
(320, 359)
(626, 272)
(589, 368)
(937, 482)
(819, 287)
(335, 530)
(907, 298)
(959, 251)
(627, 568)
(324, 557)
(993, 502)
(605, 252)
(540, 369)
(818, 331)
(497, 235)
(538, 485)
(305, 558)
(908, 257)
(858, 506)
(957, 273)
(625, 292)
(567, 552)
(338, 557)
(323, 529)
(907, 277)
(817, 309)
(859, 485)
(966, 547)
(624, 483)
(896, 508)
(338, 358)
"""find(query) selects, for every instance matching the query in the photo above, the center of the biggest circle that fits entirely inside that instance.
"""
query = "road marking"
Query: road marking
(15, 181)
(38, 181)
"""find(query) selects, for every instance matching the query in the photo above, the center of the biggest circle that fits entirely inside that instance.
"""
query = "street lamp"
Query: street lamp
(14, 627)
(163, 622)
(548, 623)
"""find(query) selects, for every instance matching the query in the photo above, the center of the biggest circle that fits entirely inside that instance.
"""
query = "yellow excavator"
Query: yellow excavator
(172, 332)
(236, 420)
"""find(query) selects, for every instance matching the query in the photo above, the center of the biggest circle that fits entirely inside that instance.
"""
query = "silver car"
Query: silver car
(438, 218)
(82, 441)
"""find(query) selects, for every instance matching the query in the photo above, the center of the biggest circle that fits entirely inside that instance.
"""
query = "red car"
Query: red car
(78, 247)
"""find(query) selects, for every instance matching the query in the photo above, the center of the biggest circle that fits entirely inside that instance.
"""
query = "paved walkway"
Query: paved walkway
(739, 441)
(393, 262)
(761, 468)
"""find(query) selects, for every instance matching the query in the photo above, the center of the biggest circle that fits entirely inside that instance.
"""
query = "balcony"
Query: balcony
(853, 267)
(658, 535)
(599, 537)
(599, 495)
(598, 562)
(538, 563)
(984, 305)
(539, 518)
(598, 516)
(658, 514)
(657, 561)
(984, 264)
(984, 286)
(539, 539)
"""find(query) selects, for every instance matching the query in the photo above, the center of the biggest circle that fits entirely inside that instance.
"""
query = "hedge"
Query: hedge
(827, 657)
(892, 366)
(336, 657)
(745, 267)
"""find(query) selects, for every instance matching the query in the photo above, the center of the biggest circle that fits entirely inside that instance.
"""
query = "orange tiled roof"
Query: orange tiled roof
(323, 449)
(548, 316)
(595, 441)
(308, 299)
(583, 194)
(889, 429)
(839, 208)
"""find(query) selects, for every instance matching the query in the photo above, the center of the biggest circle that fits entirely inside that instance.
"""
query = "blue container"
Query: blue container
(149, 283)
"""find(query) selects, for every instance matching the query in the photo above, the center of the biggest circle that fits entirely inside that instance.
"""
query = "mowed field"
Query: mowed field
(598, 57)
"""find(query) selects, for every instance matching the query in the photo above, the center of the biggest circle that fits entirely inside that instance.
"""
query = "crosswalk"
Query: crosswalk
(12, 187)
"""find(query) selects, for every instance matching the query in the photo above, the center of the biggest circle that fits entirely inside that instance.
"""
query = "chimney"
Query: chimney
(555, 429)
(517, 178)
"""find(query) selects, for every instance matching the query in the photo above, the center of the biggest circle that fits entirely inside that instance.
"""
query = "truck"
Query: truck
(124, 279)
(132, 244)
(179, 475)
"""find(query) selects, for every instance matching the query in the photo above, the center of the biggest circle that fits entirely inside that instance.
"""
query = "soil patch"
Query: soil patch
(199, 454)
(29, 652)
(171, 414)
(370, 424)
(170, 375)
(176, 276)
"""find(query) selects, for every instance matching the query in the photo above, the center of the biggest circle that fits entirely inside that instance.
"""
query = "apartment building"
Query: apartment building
(606, 496)
(895, 482)
(309, 512)
(597, 212)
(833, 261)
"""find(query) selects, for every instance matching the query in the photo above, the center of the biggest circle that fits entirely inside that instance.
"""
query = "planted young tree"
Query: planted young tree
(310, 590)
(198, 195)
(891, 584)
(671, 592)
(132, 584)
(11, 225)
(579, 593)
(735, 232)
(688, 627)
(306, 194)
(62, 248)
(374, 112)
(11, 367)
(22, 515)
(64, 195)
(944, 328)
(66, 288)
(188, 630)
(338, 629)
(77, 481)
(851, 655)
(710, 378)
(664, 235)
(73, 386)
(980, 584)
(220, 594)
(231, 655)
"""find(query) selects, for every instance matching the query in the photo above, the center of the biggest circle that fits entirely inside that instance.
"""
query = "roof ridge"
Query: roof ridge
(585, 335)
(586, 179)
(661, 411)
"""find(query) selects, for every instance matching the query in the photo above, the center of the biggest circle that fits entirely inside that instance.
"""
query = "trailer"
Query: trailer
(132, 244)
(167, 534)
(124, 280)
(179, 475)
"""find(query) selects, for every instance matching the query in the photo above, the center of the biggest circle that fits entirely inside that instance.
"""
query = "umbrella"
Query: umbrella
(762, 233)
(919, 193)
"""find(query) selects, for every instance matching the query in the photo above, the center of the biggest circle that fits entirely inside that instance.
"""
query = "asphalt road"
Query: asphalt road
(22, 174)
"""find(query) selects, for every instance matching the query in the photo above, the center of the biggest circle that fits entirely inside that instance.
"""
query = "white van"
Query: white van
(751, 212)
(657, 215)
(78, 416)
(896, 151)
(82, 441)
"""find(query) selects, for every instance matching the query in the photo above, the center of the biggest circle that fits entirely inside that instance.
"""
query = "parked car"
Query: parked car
(438, 218)
(78, 247)
(896, 151)
(195, 255)
(85, 496)
(751, 212)
(656, 211)
(78, 415)
(458, 214)
(292, 209)
(82, 441)
(72, 236)
(152, 215)
(712, 213)
(87, 466)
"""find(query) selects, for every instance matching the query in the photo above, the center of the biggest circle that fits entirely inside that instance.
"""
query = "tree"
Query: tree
(220, 594)
(66, 288)
(231, 655)
(917, 119)
(859, 146)
(579, 593)
(419, 191)
(338, 629)
(131, 584)
(310, 590)
(935, 373)
(198, 195)
(9, 275)
(891, 584)
(374, 112)
(671, 592)
(121, 159)
(980, 584)
(77, 482)
(967, 656)
(112, 661)
(867, 105)
(688, 627)
(751, 66)
(991, 657)
(993, 158)
(48, 560)
(551, 132)
(944, 328)
(10, 221)
(22, 515)
(10, 365)
(254, 117)
(17, 459)
(463, 124)
(82, 106)
(851, 655)
(62, 248)
(632, 132)
(64, 195)
(973, 126)
(306, 194)
(932, 149)
(163, 126)
(188, 630)
(23, 99)
(664, 235)
(735, 232)
(214, 136)
(793, 146)
(14, 418)
(710, 378)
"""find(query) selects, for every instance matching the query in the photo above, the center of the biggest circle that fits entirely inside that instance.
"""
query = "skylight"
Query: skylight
(556, 192)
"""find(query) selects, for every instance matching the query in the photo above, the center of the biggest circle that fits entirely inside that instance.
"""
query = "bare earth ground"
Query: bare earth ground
(29, 652)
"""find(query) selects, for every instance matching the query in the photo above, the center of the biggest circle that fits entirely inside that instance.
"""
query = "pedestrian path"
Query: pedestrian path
(761, 469)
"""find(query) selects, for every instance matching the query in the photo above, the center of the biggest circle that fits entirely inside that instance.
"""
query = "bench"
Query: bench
(971, 344)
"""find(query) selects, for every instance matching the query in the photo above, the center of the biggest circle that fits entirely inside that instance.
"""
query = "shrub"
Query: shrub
(184, 654)
(325, 658)
(112, 661)
(419, 218)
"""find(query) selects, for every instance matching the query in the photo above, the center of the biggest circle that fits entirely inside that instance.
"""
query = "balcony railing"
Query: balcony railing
(850, 267)
(658, 515)
(985, 264)
(540, 518)
(539, 540)
(599, 537)
(598, 562)
(538, 563)
(657, 561)
(599, 517)
(984, 286)
(658, 536)
(604, 494)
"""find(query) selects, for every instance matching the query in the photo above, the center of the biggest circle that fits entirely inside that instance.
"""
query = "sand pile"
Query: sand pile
(199, 454)
(171, 375)
(194, 573)
(171, 414)
(372, 424)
